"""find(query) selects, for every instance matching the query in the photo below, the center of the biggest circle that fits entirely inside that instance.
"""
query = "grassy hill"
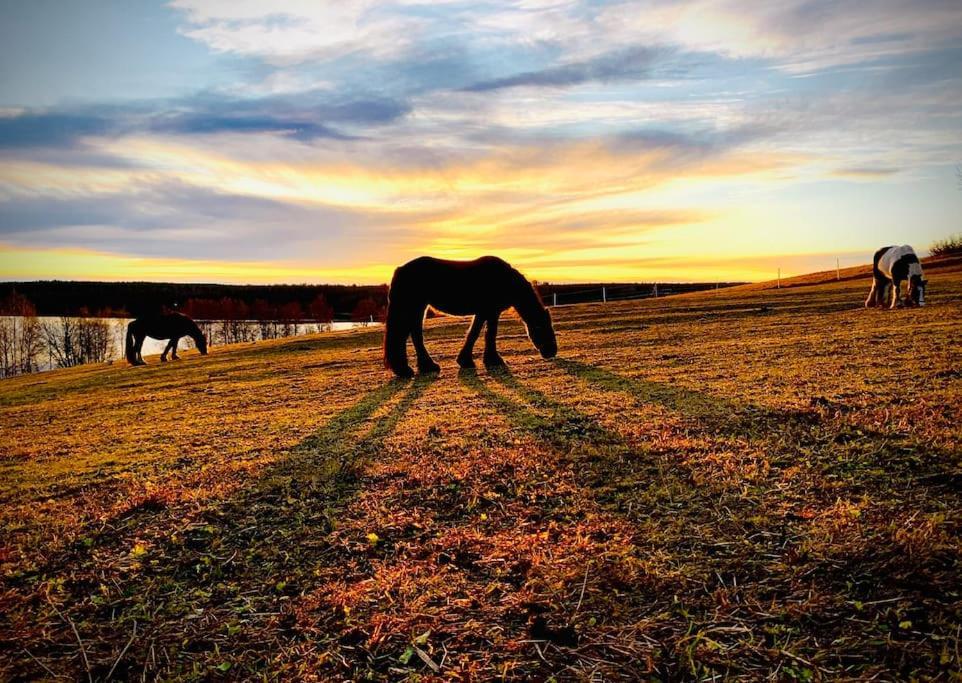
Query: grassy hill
(742, 483)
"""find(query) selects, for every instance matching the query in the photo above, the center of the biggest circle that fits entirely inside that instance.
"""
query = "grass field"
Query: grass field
(739, 484)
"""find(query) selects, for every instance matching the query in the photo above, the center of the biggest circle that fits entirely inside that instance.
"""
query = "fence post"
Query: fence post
(656, 290)
(604, 296)
(779, 286)
(838, 270)
(554, 299)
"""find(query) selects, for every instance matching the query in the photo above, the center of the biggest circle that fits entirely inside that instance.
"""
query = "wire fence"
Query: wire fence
(609, 293)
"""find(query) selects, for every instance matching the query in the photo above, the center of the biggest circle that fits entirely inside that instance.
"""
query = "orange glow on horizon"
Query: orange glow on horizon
(18, 264)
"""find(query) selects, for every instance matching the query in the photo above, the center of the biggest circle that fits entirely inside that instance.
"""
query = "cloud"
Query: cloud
(630, 63)
(307, 117)
(49, 129)
(548, 129)
(865, 172)
(178, 220)
(286, 32)
(219, 199)
(207, 124)
(798, 36)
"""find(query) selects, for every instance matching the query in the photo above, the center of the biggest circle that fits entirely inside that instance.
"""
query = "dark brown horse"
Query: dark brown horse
(484, 288)
(170, 326)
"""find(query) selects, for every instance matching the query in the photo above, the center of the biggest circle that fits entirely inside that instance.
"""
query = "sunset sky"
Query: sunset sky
(306, 141)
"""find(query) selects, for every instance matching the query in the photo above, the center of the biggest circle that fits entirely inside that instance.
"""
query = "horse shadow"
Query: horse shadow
(739, 529)
(787, 434)
(271, 533)
(604, 459)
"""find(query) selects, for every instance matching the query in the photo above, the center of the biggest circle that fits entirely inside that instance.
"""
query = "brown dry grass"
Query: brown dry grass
(740, 484)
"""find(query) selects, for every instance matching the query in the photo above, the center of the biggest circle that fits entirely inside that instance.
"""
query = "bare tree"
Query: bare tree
(21, 339)
(74, 341)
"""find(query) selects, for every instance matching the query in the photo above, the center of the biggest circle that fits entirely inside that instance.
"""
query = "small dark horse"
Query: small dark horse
(484, 288)
(170, 326)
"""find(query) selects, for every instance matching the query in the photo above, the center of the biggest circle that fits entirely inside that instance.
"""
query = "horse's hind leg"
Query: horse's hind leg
(492, 358)
(465, 357)
(139, 345)
(425, 362)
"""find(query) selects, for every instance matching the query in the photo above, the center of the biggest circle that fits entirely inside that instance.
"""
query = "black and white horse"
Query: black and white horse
(893, 266)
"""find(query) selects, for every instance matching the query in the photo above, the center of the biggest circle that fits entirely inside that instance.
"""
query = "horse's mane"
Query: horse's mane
(529, 300)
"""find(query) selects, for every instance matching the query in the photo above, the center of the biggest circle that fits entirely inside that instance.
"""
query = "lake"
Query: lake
(241, 331)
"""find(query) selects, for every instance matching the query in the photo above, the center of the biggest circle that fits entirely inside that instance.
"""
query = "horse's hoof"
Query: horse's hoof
(404, 373)
(429, 368)
(465, 362)
(494, 362)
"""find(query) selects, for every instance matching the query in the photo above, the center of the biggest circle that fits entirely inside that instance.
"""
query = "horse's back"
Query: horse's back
(887, 258)
(432, 264)
(166, 325)
(456, 287)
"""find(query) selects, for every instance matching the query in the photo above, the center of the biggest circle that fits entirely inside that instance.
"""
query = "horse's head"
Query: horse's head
(541, 332)
(916, 295)
(200, 341)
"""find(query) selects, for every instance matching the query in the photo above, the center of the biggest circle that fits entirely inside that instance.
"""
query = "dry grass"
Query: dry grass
(740, 484)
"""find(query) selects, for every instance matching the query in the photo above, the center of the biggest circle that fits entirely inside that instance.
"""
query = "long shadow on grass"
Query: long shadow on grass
(606, 464)
(731, 533)
(211, 593)
(854, 462)
(617, 475)
(793, 433)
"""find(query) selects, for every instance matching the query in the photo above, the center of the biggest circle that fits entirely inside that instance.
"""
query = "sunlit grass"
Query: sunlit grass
(740, 484)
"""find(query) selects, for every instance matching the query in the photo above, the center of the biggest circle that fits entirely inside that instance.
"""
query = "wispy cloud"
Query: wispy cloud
(865, 172)
(313, 115)
(563, 134)
(622, 64)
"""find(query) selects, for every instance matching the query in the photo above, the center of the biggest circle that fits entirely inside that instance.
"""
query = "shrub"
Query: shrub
(950, 246)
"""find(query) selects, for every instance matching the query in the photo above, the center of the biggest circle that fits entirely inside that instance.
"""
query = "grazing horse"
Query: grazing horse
(170, 326)
(892, 266)
(484, 288)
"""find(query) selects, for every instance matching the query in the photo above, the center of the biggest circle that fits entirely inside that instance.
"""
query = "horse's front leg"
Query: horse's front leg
(466, 357)
(896, 292)
(425, 362)
(173, 348)
(163, 356)
(876, 294)
(492, 358)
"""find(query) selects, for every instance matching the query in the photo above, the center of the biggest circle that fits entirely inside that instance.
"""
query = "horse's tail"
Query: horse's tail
(129, 348)
(396, 329)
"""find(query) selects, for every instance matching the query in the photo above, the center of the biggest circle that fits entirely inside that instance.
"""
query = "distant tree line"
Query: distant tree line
(69, 335)
(134, 299)
(251, 302)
